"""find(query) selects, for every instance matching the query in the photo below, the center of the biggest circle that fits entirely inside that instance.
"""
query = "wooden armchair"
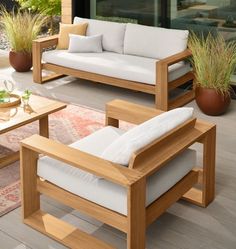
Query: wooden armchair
(160, 89)
(144, 163)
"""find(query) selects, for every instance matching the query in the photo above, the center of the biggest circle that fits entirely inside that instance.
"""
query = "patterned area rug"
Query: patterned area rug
(66, 126)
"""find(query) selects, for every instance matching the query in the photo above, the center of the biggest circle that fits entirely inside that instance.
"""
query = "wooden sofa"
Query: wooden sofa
(160, 86)
(144, 163)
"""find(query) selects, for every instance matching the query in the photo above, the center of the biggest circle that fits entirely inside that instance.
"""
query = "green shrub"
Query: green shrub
(214, 61)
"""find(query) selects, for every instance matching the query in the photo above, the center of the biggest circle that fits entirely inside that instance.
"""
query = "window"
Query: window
(136, 11)
(203, 16)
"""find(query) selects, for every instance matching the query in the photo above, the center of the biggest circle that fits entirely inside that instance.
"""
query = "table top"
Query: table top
(38, 107)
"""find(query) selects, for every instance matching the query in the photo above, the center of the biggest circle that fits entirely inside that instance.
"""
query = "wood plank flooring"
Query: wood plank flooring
(184, 226)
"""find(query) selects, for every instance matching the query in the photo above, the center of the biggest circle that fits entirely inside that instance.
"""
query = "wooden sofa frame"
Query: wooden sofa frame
(160, 89)
(143, 163)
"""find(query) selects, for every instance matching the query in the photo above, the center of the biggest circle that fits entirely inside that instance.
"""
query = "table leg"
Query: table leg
(43, 127)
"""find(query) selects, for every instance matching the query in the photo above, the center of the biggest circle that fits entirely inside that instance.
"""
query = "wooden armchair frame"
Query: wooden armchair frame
(143, 163)
(160, 89)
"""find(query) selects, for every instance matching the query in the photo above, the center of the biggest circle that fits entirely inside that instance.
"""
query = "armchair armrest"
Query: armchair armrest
(84, 161)
(133, 113)
(175, 58)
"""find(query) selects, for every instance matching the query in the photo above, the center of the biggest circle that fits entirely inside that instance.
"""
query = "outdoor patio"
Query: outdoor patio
(183, 226)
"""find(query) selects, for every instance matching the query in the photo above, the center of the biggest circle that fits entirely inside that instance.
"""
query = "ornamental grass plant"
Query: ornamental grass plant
(214, 61)
(21, 28)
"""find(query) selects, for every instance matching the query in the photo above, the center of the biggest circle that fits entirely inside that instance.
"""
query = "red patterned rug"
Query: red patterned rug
(66, 126)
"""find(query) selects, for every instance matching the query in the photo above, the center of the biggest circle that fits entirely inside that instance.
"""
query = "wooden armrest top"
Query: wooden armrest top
(113, 172)
(130, 112)
(137, 114)
(46, 42)
(46, 39)
(175, 58)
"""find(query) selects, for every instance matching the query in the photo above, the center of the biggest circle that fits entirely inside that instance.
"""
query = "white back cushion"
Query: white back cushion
(154, 42)
(113, 33)
(85, 44)
(121, 150)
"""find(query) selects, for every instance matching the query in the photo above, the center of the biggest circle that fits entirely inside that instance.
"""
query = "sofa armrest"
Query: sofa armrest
(162, 81)
(46, 42)
(113, 172)
(120, 110)
(38, 46)
(175, 58)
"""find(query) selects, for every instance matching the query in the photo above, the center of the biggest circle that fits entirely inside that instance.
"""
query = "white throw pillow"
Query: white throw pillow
(121, 150)
(154, 42)
(85, 44)
(113, 33)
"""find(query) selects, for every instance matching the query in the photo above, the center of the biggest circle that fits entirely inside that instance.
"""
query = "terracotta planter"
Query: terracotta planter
(20, 61)
(212, 102)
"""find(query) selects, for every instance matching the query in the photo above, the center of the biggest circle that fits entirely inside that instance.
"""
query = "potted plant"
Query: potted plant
(214, 62)
(21, 28)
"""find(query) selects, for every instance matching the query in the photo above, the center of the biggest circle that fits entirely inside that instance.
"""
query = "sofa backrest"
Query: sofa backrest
(113, 33)
(121, 150)
(154, 42)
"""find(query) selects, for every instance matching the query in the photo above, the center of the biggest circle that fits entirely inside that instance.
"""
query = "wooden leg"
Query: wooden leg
(6, 160)
(37, 64)
(161, 97)
(52, 76)
(112, 122)
(136, 236)
(204, 196)
(209, 150)
(29, 193)
(43, 127)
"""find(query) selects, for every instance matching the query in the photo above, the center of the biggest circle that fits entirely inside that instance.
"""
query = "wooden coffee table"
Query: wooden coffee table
(38, 109)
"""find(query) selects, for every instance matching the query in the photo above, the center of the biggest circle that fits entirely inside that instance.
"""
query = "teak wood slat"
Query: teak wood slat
(8, 159)
(144, 163)
(157, 208)
(160, 88)
(137, 215)
(149, 156)
(182, 99)
(92, 209)
(63, 232)
(178, 82)
(84, 161)
(133, 85)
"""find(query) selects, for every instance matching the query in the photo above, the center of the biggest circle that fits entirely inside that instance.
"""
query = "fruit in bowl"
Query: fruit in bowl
(4, 96)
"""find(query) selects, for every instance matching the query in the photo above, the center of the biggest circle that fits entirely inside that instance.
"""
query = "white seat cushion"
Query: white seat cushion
(154, 42)
(127, 67)
(112, 33)
(122, 149)
(101, 191)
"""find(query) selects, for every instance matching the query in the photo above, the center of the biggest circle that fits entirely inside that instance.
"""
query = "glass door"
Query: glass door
(204, 16)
